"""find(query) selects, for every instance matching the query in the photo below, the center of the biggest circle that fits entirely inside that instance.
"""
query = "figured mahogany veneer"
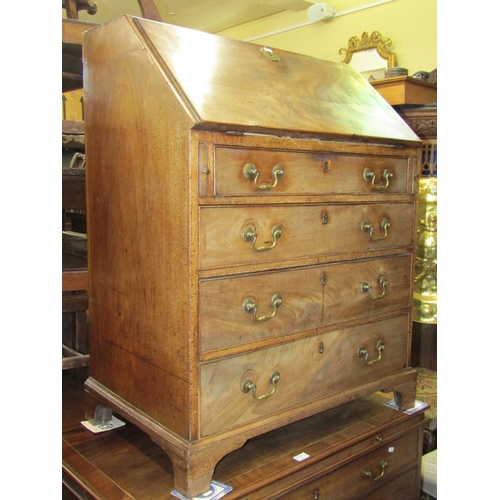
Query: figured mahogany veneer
(250, 239)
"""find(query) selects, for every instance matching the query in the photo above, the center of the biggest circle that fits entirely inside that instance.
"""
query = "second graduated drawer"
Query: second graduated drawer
(242, 309)
(264, 382)
(241, 172)
(235, 235)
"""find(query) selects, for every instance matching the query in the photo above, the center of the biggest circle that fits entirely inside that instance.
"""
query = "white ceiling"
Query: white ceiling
(210, 16)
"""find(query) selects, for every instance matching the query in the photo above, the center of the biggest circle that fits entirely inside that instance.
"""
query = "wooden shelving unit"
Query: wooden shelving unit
(72, 65)
(74, 263)
(406, 90)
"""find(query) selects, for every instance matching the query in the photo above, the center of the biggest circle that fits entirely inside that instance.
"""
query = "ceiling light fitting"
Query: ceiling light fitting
(319, 12)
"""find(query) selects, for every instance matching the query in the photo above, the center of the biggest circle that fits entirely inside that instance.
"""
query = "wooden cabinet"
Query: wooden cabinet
(362, 449)
(423, 121)
(251, 238)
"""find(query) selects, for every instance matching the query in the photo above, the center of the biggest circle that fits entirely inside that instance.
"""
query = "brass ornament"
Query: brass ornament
(425, 277)
(367, 42)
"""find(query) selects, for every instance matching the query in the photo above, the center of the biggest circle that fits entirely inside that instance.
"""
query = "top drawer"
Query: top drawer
(245, 171)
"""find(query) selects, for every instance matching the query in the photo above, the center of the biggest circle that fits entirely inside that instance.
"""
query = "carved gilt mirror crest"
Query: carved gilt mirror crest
(370, 54)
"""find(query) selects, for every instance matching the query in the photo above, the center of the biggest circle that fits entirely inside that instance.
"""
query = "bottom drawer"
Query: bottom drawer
(364, 472)
(308, 369)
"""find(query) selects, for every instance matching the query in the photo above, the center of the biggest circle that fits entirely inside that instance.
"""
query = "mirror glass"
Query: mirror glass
(370, 55)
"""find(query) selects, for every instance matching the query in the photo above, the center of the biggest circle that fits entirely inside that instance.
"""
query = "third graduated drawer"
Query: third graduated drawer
(245, 171)
(242, 309)
(238, 235)
(264, 382)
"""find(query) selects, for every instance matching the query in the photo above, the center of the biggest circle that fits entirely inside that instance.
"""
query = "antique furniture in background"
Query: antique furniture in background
(423, 121)
(405, 90)
(74, 248)
(74, 256)
(251, 238)
(72, 7)
(372, 57)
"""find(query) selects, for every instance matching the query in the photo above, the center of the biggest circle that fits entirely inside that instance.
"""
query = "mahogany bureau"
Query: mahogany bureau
(250, 238)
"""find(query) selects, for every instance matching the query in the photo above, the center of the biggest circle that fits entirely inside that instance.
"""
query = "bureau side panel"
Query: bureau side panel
(137, 140)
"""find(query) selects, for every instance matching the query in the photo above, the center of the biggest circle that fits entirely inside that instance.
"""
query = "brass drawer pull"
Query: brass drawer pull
(366, 288)
(383, 464)
(366, 227)
(250, 172)
(363, 353)
(369, 175)
(249, 234)
(249, 306)
(248, 386)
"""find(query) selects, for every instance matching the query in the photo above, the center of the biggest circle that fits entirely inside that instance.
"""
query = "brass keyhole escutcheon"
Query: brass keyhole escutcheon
(268, 53)
(321, 348)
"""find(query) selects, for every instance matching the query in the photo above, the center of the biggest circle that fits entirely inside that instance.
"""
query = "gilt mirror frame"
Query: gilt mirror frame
(370, 43)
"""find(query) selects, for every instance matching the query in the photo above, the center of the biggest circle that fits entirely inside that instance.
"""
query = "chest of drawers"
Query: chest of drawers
(250, 238)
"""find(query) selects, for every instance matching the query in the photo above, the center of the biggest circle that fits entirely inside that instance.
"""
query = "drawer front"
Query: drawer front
(309, 369)
(242, 172)
(365, 472)
(255, 234)
(404, 487)
(249, 308)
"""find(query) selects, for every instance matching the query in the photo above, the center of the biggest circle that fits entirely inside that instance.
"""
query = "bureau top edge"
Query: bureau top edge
(230, 85)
